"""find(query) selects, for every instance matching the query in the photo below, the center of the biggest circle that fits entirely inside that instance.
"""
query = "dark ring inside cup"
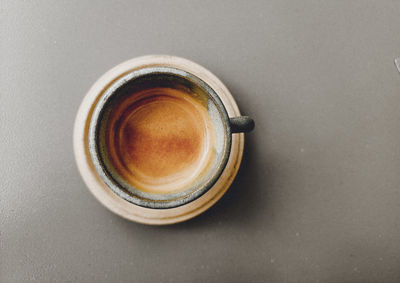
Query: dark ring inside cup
(157, 77)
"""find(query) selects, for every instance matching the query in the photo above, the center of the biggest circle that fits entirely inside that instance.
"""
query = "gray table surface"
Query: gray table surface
(317, 198)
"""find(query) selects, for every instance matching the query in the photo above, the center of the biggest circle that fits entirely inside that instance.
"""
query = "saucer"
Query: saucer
(122, 207)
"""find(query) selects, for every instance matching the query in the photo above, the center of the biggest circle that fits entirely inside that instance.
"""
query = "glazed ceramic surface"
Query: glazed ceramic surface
(170, 78)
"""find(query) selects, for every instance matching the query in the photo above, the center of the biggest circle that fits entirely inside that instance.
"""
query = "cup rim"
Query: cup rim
(129, 192)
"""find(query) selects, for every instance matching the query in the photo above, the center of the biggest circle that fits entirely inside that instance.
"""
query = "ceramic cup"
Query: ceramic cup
(220, 127)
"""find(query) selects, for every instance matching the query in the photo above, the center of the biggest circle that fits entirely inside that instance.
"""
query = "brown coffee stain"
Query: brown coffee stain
(159, 139)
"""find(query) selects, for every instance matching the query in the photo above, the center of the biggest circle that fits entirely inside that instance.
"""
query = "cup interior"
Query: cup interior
(159, 137)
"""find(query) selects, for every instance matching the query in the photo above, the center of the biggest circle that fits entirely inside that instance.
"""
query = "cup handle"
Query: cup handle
(241, 124)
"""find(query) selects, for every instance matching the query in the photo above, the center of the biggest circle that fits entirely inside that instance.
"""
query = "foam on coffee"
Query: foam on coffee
(160, 139)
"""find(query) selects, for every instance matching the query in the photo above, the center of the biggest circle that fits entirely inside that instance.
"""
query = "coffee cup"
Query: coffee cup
(160, 137)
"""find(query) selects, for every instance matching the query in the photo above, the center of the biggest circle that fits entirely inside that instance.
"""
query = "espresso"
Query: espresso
(159, 139)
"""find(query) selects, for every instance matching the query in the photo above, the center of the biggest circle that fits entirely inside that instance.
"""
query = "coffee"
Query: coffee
(159, 139)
